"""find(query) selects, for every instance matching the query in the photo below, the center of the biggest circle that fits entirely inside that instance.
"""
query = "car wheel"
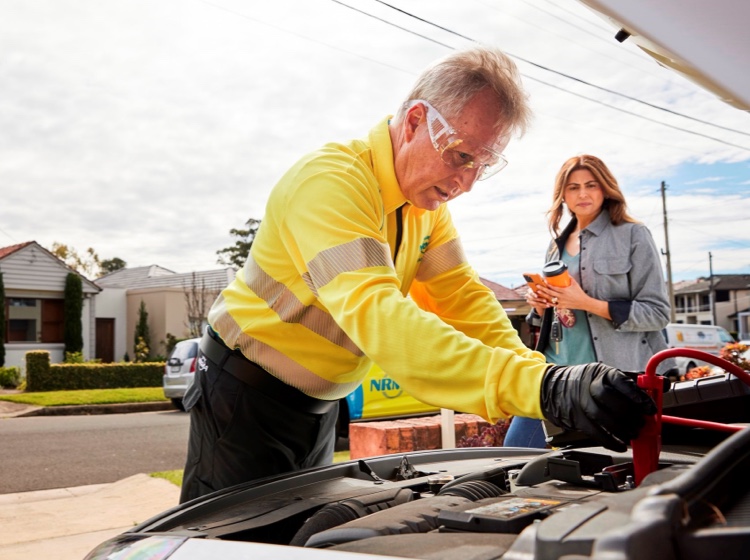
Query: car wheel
(178, 404)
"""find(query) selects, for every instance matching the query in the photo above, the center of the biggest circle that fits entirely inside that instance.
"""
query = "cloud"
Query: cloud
(149, 129)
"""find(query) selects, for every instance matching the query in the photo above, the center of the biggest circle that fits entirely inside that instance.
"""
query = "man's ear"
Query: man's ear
(414, 116)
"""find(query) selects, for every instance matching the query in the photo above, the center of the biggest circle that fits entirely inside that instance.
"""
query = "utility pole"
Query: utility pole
(666, 253)
(711, 293)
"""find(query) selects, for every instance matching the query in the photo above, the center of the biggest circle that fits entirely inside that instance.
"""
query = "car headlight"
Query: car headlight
(136, 547)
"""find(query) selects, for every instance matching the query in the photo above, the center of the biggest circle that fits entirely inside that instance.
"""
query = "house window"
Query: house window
(34, 320)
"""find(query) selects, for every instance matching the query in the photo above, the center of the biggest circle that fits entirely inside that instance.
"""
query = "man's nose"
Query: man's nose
(465, 179)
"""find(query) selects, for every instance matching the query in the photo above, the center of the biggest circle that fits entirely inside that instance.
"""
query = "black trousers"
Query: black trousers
(239, 434)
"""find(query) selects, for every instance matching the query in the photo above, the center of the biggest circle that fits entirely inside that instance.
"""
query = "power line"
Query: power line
(305, 37)
(547, 69)
(637, 115)
(394, 25)
(607, 40)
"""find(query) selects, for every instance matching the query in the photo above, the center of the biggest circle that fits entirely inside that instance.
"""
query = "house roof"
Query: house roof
(501, 292)
(5, 251)
(31, 246)
(125, 277)
(721, 282)
(732, 281)
(155, 276)
(691, 286)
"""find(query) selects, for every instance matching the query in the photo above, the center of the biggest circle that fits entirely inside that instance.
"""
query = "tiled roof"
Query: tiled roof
(732, 281)
(501, 292)
(124, 277)
(721, 282)
(5, 251)
(157, 277)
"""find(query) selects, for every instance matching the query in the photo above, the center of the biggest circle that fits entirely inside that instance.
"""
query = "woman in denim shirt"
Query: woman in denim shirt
(617, 304)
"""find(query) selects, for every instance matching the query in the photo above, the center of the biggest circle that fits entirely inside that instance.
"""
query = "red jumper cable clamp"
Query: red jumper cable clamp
(647, 446)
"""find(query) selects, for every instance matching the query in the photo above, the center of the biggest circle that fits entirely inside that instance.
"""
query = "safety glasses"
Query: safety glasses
(447, 141)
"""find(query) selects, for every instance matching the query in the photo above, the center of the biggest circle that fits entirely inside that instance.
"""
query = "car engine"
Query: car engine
(494, 503)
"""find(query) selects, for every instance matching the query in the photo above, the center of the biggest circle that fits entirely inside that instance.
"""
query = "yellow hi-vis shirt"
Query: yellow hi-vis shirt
(320, 295)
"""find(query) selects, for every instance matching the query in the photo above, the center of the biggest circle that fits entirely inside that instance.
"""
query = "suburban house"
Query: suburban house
(515, 306)
(176, 303)
(34, 281)
(722, 299)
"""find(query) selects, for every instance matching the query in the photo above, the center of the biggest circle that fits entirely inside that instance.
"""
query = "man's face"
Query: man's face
(426, 179)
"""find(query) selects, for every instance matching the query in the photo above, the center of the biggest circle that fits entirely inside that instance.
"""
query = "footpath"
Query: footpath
(67, 523)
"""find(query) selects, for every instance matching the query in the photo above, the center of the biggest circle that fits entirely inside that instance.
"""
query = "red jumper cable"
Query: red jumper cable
(647, 446)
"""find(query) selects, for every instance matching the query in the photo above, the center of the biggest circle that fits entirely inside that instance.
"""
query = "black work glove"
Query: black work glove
(599, 400)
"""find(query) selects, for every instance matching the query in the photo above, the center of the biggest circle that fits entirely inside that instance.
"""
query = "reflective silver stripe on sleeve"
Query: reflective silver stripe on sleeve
(361, 253)
(291, 310)
(281, 366)
(441, 259)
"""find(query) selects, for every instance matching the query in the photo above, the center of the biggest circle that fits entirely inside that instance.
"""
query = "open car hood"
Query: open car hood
(705, 42)
(471, 504)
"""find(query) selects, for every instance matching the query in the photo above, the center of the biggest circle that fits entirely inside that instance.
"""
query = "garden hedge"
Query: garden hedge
(43, 376)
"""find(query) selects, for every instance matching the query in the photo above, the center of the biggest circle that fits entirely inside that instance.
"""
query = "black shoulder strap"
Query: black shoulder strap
(399, 231)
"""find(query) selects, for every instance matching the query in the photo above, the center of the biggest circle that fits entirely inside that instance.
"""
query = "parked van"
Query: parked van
(707, 338)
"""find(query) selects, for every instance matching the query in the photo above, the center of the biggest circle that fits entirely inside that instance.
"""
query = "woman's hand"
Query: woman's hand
(570, 297)
(537, 301)
(573, 297)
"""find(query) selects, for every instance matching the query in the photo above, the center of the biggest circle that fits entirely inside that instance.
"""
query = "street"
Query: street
(60, 451)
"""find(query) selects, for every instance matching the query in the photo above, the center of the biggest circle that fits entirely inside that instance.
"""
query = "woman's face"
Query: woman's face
(583, 195)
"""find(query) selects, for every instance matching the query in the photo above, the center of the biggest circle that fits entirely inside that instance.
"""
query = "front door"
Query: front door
(105, 340)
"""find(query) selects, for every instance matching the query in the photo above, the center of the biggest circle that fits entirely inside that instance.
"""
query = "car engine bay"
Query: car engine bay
(493, 503)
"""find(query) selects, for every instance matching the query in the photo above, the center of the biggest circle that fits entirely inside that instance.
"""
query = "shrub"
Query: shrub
(41, 376)
(74, 357)
(10, 377)
(142, 335)
(734, 353)
(72, 309)
(489, 436)
(37, 368)
(141, 350)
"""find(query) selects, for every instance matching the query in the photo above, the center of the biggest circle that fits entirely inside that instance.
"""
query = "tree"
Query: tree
(111, 265)
(142, 340)
(72, 310)
(198, 298)
(88, 263)
(2, 321)
(236, 255)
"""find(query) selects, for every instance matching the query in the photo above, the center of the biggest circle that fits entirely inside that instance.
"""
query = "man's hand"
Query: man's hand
(598, 400)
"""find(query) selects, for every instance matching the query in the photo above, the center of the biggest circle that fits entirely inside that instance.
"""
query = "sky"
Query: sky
(148, 129)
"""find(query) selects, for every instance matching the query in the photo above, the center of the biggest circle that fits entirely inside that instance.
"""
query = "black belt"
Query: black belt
(256, 377)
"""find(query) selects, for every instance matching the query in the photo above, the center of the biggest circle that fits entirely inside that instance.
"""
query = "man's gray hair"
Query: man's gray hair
(451, 82)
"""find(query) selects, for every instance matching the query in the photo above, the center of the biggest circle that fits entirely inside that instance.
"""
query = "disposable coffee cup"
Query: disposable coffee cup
(556, 273)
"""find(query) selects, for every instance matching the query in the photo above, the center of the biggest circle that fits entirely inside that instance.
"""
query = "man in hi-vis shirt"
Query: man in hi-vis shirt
(349, 232)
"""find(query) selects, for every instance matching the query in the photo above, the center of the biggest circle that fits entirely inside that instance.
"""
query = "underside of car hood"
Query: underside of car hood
(489, 503)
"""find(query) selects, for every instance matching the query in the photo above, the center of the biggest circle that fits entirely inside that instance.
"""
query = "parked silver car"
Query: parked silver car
(179, 370)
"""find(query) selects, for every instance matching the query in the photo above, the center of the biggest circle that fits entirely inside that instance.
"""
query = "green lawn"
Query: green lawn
(89, 396)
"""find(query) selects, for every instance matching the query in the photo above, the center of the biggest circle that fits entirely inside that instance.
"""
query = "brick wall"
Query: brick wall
(367, 439)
